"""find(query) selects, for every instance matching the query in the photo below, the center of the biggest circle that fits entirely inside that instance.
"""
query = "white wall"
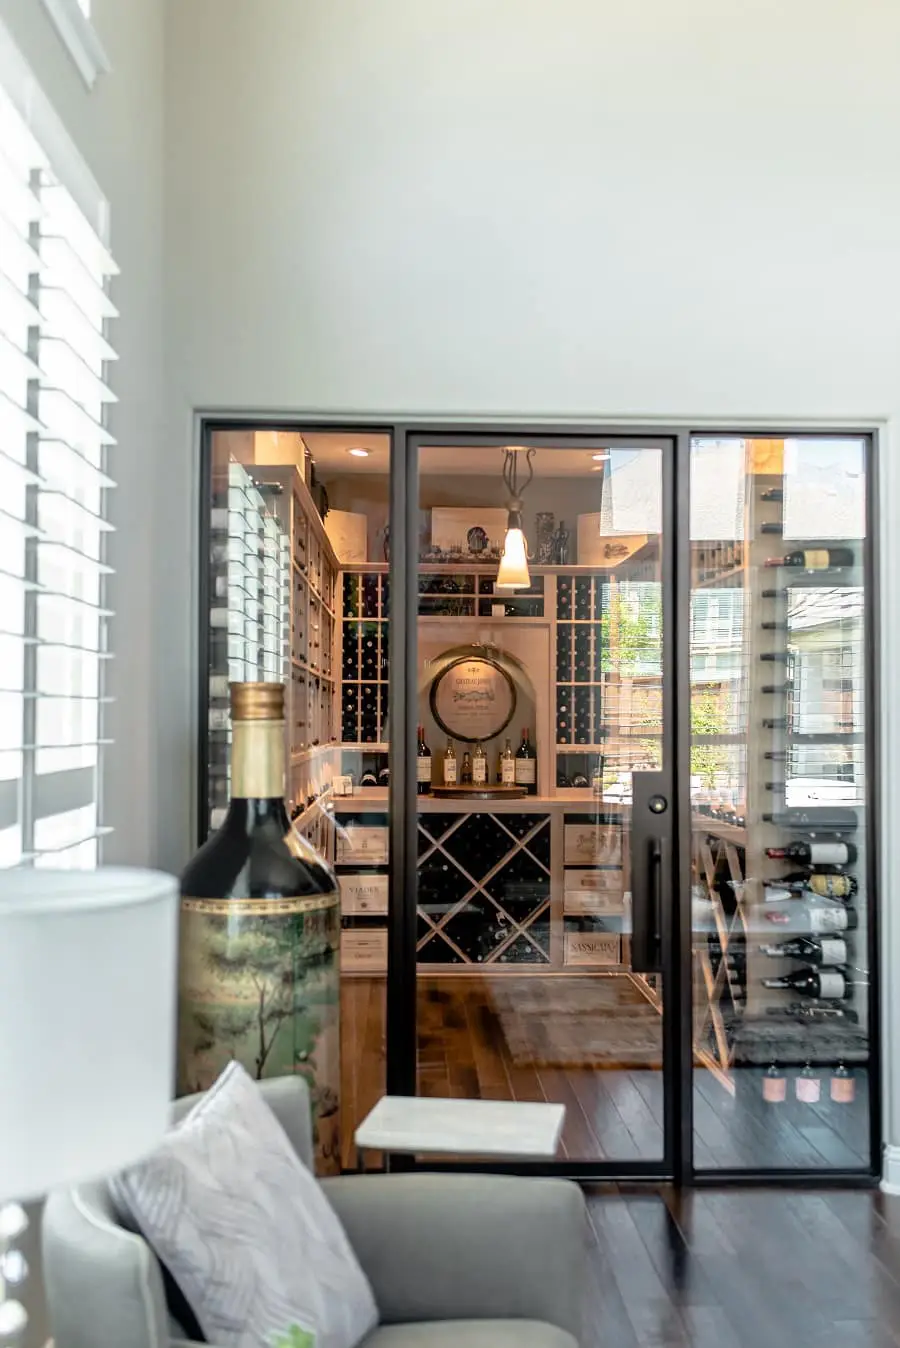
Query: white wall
(118, 129)
(657, 210)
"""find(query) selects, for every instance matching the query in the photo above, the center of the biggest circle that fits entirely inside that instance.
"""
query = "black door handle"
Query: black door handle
(648, 870)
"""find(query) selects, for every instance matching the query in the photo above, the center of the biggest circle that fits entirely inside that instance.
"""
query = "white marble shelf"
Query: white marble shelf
(400, 1123)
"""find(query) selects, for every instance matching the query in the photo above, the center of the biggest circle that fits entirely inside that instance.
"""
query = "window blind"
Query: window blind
(54, 484)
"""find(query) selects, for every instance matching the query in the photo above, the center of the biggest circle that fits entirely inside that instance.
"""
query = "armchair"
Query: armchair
(455, 1260)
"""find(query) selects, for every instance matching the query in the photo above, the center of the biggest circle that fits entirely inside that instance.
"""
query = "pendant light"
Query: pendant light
(513, 573)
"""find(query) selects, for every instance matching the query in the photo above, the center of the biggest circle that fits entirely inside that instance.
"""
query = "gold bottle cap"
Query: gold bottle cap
(257, 701)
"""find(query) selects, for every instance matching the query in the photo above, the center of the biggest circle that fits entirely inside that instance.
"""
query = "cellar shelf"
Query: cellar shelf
(718, 829)
(315, 751)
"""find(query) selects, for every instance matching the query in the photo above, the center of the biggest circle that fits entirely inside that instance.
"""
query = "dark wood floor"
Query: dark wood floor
(744, 1269)
(613, 1113)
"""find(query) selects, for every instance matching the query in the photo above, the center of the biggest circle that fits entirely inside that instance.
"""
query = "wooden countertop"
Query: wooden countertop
(374, 799)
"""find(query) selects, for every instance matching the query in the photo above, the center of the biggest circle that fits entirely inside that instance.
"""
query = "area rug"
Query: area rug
(577, 1022)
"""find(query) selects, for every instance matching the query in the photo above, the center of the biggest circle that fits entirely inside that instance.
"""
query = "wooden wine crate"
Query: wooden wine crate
(592, 947)
(593, 845)
(363, 844)
(364, 894)
(364, 950)
(590, 893)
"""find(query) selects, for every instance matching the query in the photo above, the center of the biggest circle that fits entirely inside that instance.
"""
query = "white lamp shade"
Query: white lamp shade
(87, 1022)
(513, 572)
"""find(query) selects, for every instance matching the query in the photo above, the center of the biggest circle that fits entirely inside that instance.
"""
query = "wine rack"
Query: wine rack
(795, 748)
(311, 678)
(248, 617)
(458, 593)
(483, 889)
(365, 657)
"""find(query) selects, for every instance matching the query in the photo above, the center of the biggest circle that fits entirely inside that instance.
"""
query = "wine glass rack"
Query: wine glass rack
(248, 618)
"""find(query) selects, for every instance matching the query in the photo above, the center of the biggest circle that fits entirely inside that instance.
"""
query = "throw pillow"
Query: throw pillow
(245, 1229)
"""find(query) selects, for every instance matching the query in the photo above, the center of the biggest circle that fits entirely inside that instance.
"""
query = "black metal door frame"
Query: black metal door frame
(403, 710)
(678, 1010)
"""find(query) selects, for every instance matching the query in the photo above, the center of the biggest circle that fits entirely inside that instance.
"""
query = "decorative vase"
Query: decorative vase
(545, 537)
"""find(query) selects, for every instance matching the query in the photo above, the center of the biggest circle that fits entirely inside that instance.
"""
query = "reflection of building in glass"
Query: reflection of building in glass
(826, 645)
(719, 674)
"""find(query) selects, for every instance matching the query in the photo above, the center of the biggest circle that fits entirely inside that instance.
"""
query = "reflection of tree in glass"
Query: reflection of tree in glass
(274, 957)
(709, 716)
(632, 626)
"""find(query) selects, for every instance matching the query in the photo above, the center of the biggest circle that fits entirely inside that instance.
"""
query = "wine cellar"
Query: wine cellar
(537, 702)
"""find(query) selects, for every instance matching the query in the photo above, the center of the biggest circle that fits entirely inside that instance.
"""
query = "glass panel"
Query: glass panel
(299, 592)
(537, 702)
(778, 786)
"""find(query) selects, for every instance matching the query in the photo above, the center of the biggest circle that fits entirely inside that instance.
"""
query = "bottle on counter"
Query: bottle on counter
(526, 764)
(423, 763)
(479, 766)
(506, 765)
(466, 772)
(448, 765)
(260, 927)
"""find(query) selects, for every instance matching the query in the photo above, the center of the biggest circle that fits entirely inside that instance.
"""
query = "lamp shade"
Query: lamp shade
(513, 571)
(87, 1022)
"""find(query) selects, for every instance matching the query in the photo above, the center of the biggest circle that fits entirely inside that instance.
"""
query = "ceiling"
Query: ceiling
(330, 452)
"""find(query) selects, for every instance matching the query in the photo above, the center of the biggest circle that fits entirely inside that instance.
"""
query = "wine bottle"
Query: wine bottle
(526, 765)
(465, 775)
(829, 985)
(506, 773)
(260, 924)
(774, 1085)
(816, 853)
(814, 559)
(843, 1087)
(834, 917)
(822, 883)
(830, 950)
(423, 763)
(479, 766)
(449, 764)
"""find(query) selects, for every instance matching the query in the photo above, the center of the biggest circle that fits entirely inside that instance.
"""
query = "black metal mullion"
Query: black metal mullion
(402, 710)
(679, 998)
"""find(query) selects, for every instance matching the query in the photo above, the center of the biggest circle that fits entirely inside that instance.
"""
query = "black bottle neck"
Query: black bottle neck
(247, 814)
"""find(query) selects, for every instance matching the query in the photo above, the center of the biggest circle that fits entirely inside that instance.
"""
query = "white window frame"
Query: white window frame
(71, 19)
(71, 172)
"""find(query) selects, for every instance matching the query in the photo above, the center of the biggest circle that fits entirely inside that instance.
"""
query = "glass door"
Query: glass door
(543, 779)
(782, 816)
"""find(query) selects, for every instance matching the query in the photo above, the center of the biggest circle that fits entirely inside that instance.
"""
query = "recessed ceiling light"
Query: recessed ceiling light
(359, 453)
(601, 457)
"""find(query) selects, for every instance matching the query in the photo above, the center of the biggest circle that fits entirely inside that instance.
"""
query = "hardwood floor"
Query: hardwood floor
(743, 1269)
(473, 1042)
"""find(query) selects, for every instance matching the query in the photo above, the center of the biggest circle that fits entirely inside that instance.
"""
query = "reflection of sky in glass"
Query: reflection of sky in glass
(717, 489)
(824, 489)
(632, 495)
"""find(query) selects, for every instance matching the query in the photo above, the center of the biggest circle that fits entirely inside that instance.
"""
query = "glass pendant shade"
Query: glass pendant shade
(513, 573)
